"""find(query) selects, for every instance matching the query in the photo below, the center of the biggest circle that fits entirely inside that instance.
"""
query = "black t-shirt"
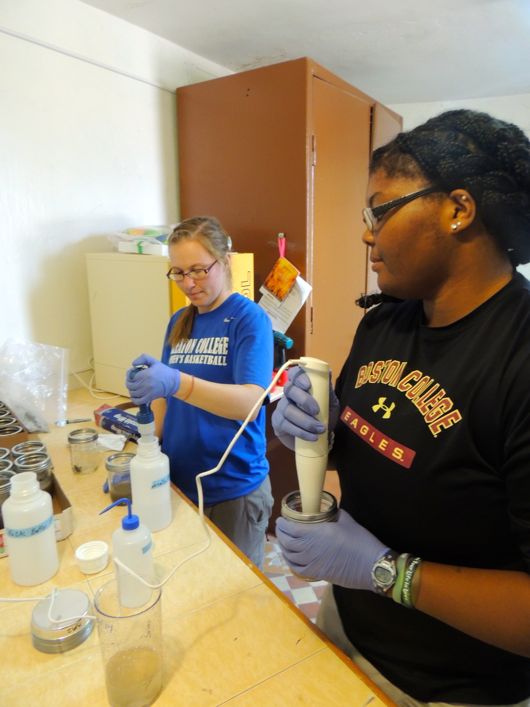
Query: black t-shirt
(433, 454)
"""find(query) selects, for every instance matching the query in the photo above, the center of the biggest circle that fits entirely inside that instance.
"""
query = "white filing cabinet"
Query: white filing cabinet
(131, 301)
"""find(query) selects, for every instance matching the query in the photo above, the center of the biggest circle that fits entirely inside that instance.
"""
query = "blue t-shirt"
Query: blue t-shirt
(231, 344)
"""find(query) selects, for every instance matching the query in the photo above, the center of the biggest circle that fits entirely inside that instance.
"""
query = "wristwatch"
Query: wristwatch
(384, 572)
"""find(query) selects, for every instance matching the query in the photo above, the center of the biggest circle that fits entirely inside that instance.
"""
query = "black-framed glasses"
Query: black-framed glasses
(195, 273)
(372, 215)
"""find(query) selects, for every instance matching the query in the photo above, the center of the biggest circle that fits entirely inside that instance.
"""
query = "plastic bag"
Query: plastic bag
(34, 382)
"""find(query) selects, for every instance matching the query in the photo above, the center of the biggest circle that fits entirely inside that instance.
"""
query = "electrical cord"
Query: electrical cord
(90, 387)
(199, 477)
(209, 472)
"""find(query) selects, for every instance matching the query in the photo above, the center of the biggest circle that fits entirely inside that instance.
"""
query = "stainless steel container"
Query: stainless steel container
(73, 608)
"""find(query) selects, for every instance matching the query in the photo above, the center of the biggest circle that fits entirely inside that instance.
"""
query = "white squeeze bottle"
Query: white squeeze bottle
(132, 545)
(29, 531)
(151, 493)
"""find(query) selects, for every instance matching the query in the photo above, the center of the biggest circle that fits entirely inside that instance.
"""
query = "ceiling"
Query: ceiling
(398, 51)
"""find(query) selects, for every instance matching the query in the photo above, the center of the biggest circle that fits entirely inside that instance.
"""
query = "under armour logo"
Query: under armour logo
(382, 406)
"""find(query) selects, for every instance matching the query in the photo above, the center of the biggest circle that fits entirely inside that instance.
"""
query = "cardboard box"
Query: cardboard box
(62, 514)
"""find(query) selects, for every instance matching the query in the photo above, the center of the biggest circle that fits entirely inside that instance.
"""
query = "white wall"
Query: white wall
(514, 109)
(87, 146)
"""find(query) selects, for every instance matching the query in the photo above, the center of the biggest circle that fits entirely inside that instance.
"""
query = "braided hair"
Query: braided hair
(470, 150)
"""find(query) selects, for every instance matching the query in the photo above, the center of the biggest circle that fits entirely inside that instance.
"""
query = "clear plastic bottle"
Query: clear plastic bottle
(132, 545)
(30, 531)
(151, 493)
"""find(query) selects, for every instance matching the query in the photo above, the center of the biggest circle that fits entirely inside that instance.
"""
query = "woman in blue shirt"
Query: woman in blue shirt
(217, 359)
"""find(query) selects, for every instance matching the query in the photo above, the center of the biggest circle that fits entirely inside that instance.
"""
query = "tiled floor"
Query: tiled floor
(306, 595)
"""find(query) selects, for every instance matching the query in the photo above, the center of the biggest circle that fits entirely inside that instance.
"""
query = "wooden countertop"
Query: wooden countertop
(230, 637)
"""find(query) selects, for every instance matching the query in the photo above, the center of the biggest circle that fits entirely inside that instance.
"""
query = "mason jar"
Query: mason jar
(5, 486)
(38, 462)
(119, 475)
(84, 450)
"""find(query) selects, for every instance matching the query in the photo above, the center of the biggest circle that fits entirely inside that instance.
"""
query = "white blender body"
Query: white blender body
(312, 457)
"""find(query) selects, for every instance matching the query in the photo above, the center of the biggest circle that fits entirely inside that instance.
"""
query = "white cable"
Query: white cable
(22, 598)
(257, 404)
(93, 390)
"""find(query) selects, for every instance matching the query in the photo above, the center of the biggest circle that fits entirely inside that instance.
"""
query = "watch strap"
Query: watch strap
(401, 565)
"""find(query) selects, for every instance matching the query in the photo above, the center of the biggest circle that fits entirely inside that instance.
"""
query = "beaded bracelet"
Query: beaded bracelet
(406, 592)
(190, 390)
(401, 564)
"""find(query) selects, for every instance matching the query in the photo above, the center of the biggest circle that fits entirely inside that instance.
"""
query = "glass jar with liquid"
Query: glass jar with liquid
(119, 475)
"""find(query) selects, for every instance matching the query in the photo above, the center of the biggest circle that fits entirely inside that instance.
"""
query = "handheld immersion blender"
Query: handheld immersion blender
(311, 504)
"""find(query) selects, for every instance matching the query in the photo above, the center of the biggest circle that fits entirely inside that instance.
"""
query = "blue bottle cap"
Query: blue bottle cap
(128, 522)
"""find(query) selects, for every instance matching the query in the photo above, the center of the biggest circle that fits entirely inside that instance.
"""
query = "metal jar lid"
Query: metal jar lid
(4, 453)
(6, 464)
(50, 637)
(40, 463)
(119, 461)
(82, 436)
(31, 445)
(5, 483)
(292, 508)
(7, 421)
(10, 430)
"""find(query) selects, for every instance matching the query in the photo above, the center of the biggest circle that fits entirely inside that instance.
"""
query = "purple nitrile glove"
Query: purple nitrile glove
(341, 551)
(155, 381)
(295, 414)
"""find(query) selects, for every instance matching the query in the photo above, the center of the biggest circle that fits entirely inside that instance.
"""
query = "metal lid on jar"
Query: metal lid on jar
(292, 508)
(31, 445)
(39, 462)
(10, 430)
(119, 461)
(71, 608)
(5, 483)
(6, 465)
(83, 435)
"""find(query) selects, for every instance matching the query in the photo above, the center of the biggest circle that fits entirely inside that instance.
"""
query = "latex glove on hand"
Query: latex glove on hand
(155, 381)
(342, 551)
(295, 414)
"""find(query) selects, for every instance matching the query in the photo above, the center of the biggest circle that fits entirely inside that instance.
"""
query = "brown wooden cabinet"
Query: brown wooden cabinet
(285, 148)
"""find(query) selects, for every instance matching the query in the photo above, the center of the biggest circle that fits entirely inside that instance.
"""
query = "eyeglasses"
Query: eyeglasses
(372, 215)
(194, 274)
